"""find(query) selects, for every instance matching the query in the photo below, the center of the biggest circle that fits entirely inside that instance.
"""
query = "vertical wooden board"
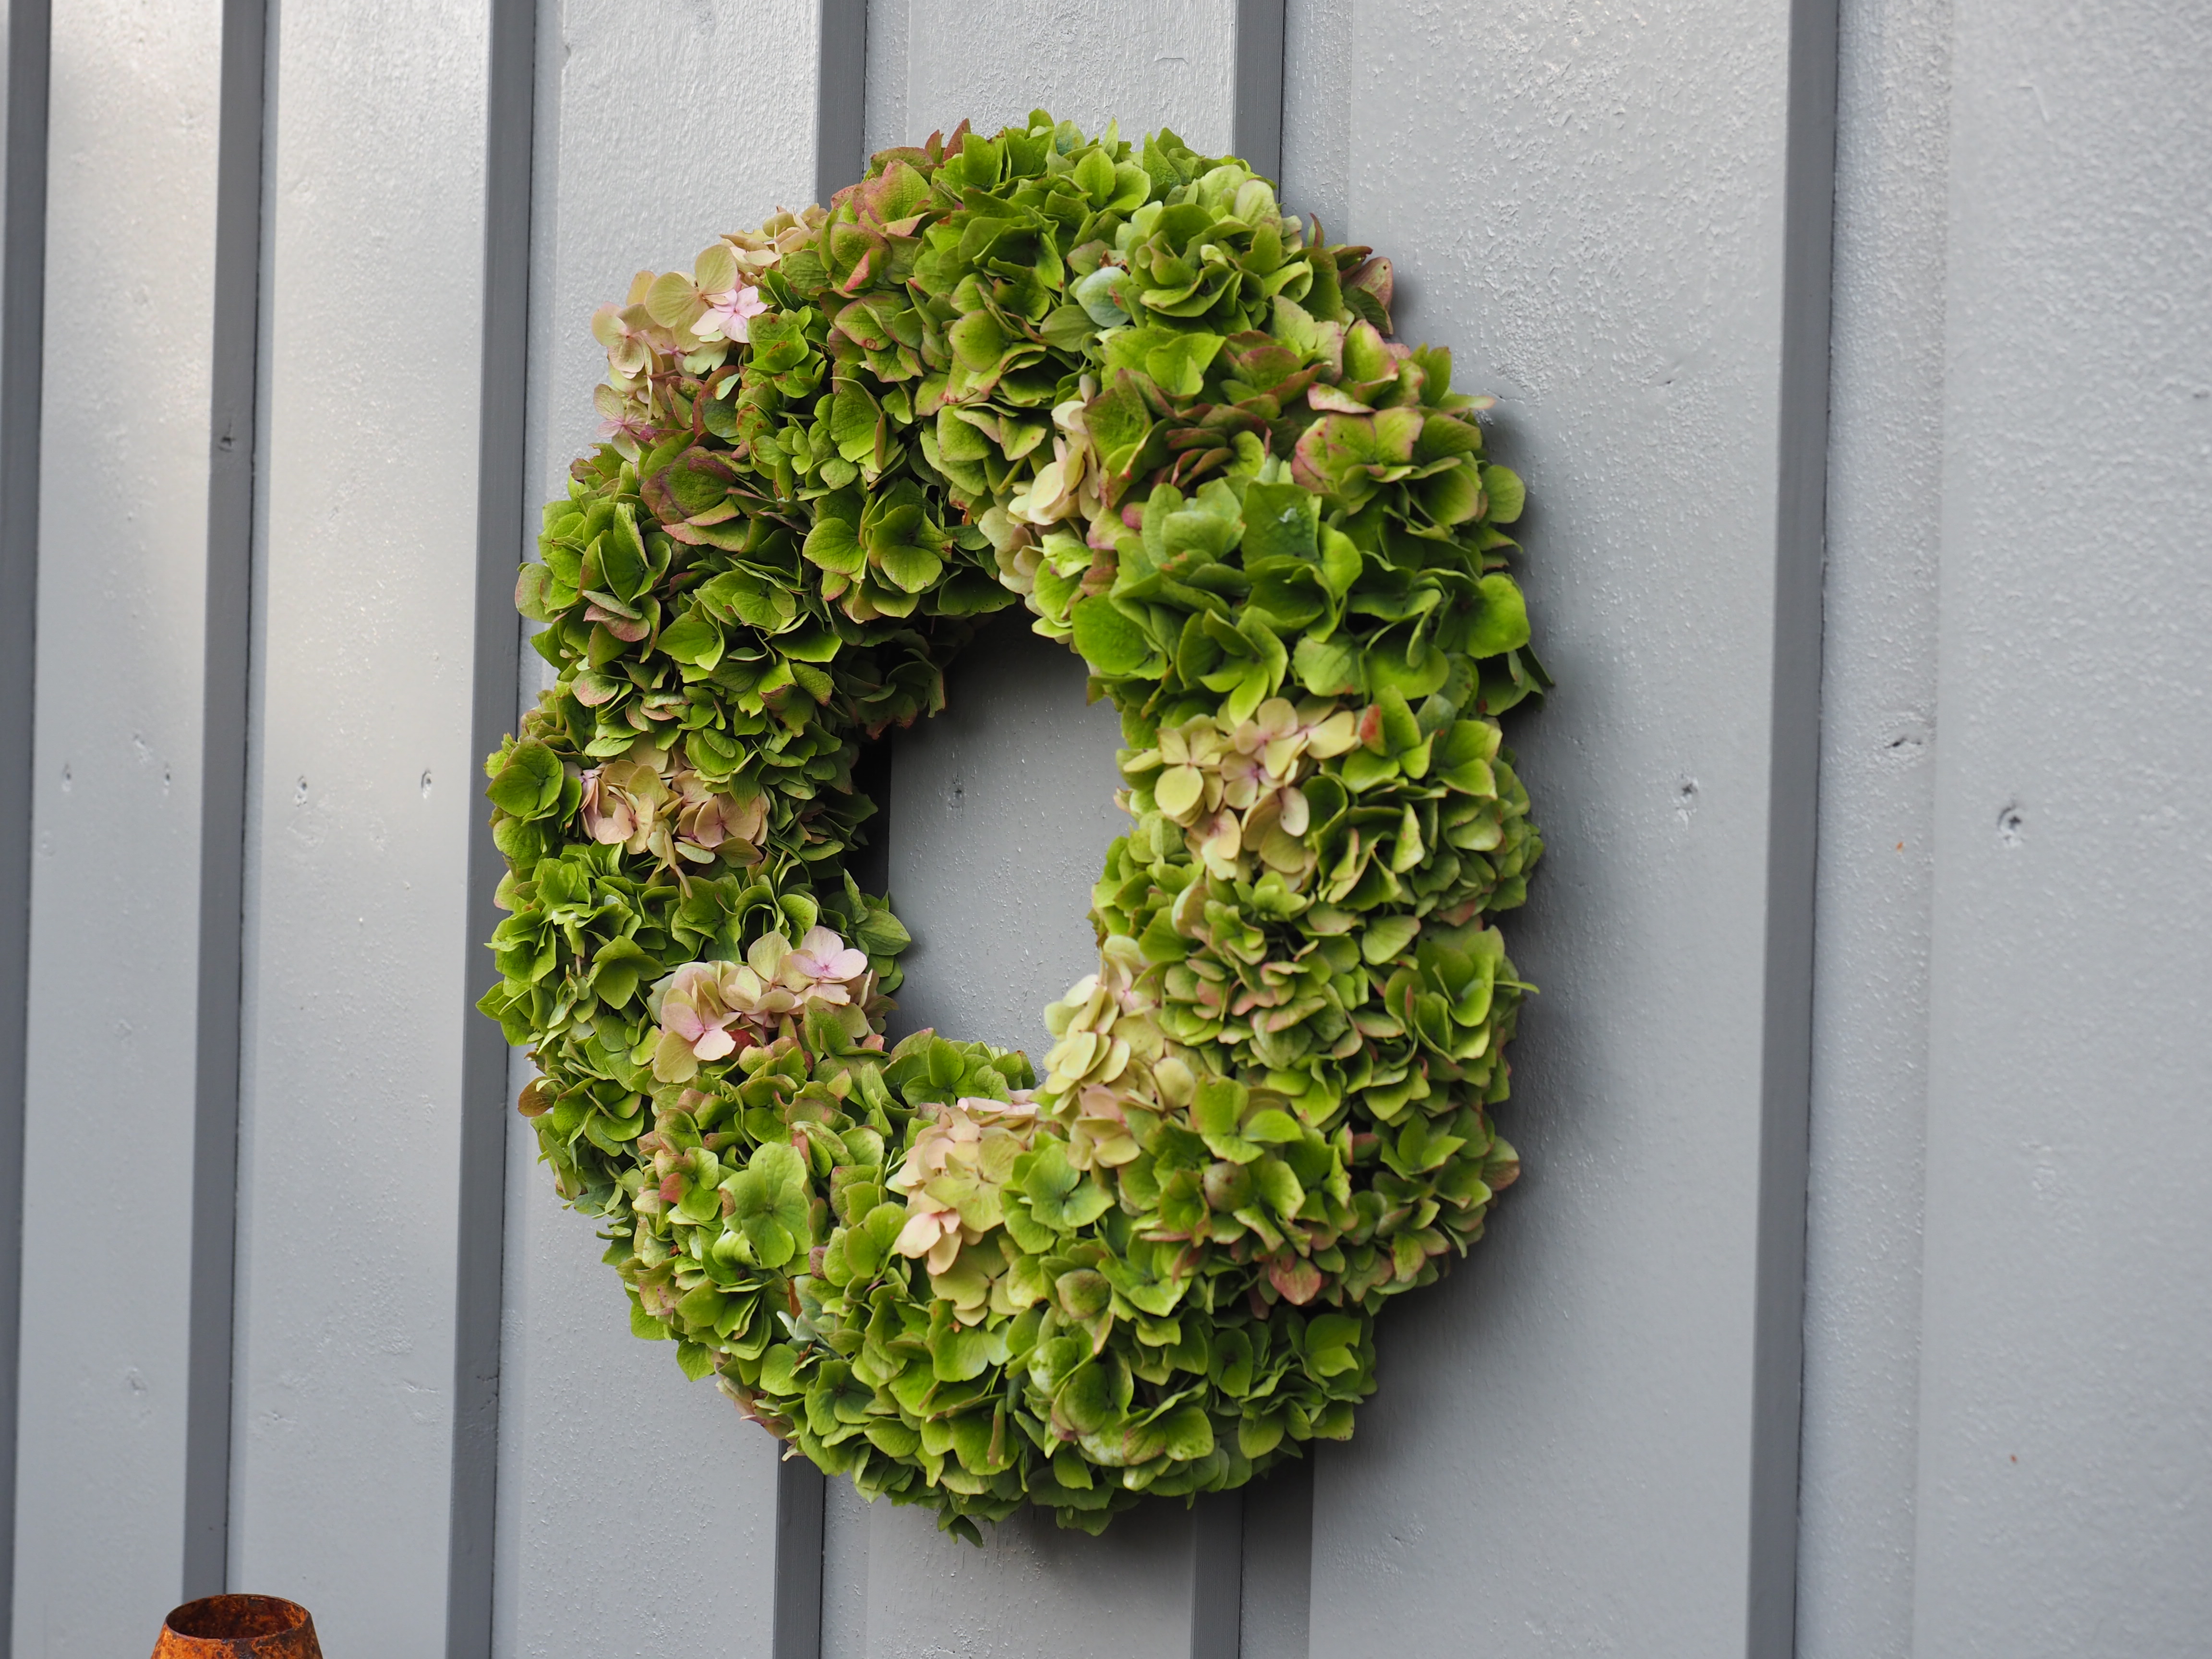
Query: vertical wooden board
(23, 56)
(364, 796)
(1318, 60)
(1146, 63)
(2065, 1425)
(847, 1520)
(883, 80)
(1002, 808)
(1588, 209)
(1863, 1231)
(595, 1424)
(1277, 1590)
(1002, 811)
(115, 795)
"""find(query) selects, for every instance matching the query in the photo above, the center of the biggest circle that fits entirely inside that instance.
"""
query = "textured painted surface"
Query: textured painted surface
(883, 99)
(1587, 208)
(1877, 803)
(362, 793)
(2066, 1425)
(1317, 111)
(1146, 63)
(1001, 813)
(1277, 1600)
(1002, 809)
(122, 589)
(594, 1422)
(2007, 1450)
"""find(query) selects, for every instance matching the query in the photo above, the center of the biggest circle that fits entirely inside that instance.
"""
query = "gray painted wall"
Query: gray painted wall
(1001, 811)
(362, 796)
(2065, 1422)
(2007, 1263)
(1590, 209)
(1877, 851)
(109, 1086)
(2010, 1262)
(592, 1422)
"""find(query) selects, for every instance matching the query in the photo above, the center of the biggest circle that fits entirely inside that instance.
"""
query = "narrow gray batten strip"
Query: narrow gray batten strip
(1256, 117)
(840, 109)
(801, 1492)
(1216, 1606)
(501, 527)
(226, 690)
(841, 104)
(22, 358)
(1217, 1575)
(1801, 518)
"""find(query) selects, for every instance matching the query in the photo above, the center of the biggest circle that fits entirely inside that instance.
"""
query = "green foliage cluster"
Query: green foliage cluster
(1116, 383)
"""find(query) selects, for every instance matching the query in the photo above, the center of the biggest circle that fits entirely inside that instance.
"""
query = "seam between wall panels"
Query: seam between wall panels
(1777, 1360)
(22, 355)
(1255, 122)
(841, 66)
(841, 97)
(226, 682)
(502, 481)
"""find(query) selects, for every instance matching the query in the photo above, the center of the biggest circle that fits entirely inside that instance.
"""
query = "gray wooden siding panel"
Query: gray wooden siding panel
(365, 794)
(1146, 63)
(1001, 813)
(116, 796)
(1588, 209)
(613, 1466)
(1877, 855)
(1002, 810)
(2066, 1426)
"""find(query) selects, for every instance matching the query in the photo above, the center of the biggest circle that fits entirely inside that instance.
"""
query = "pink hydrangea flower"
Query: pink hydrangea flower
(951, 1177)
(729, 313)
(822, 955)
(695, 1005)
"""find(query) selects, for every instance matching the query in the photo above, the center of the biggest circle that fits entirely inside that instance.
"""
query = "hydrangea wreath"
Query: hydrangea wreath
(1118, 383)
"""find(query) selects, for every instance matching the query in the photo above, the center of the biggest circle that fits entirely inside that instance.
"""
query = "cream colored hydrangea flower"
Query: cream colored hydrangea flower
(708, 1011)
(642, 804)
(1070, 484)
(624, 802)
(695, 1007)
(1233, 785)
(1112, 1072)
(952, 1175)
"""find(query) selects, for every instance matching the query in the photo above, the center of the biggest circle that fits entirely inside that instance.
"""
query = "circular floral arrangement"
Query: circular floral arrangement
(1120, 384)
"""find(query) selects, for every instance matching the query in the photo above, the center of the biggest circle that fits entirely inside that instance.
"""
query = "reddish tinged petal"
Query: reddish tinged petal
(1298, 1279)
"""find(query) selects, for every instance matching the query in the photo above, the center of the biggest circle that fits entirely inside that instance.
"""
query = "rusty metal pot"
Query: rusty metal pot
(238, 1627)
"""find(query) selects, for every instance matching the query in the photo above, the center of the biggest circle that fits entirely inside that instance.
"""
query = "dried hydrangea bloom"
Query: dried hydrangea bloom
(624, 421)
(953, 1175)
(1101, 1024)
(1232, 785)
(629, 335)
(708, 1011)
(1113, 1074)
(624, 801)
(695, 1007)
(821, 968)
(729, 312)
(1070, 485)
(642, 805)
(710, 824)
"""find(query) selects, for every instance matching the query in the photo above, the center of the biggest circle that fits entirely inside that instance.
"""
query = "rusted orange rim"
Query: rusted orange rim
(238, 1627)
